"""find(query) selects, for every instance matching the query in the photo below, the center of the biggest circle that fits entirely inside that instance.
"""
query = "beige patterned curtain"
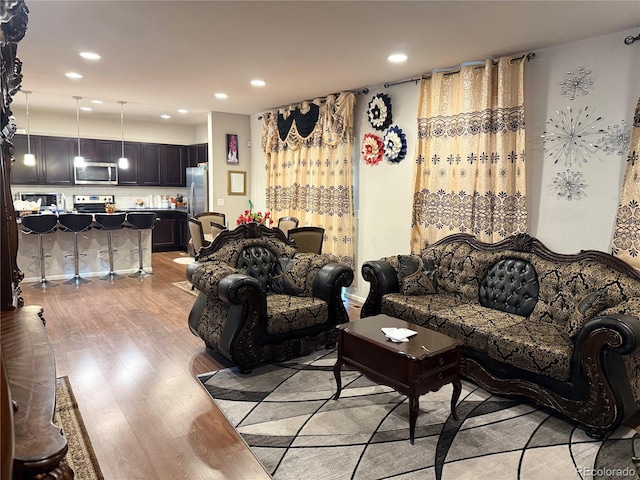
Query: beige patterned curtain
(626, 235)
(309, 168)
(469, 175)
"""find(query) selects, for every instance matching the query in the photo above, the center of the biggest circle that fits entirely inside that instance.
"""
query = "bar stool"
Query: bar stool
(141, 221)
(40, 225)
(75, 223)
(110, 222)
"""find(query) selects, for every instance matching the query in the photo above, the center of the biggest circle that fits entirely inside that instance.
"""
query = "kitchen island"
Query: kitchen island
(170, 233)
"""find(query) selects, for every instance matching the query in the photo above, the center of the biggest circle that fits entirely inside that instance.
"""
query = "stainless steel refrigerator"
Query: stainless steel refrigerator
(197, 189)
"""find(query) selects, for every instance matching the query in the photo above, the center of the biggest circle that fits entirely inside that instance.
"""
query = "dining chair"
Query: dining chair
(307, 239)
(207, 217)
(287, 223)
(197, 236)
(216, 228)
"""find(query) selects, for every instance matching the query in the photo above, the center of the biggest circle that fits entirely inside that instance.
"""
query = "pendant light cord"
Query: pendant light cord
(78, 121)
(122, 125)
(26, 94)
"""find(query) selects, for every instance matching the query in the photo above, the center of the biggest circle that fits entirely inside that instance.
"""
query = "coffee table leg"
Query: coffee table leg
(414, 406)
(336, 373)
(457, 388)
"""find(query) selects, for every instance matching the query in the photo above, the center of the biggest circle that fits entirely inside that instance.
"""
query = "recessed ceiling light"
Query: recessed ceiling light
(165, 116)
(86, 109)
(221, 95)
(182, 110)
(397, 58)
(97, 102)
(73, 75)
(258, 83)
(90, 56)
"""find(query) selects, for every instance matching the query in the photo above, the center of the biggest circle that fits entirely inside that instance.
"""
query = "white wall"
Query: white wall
(568, 226)
(383, 193)
(220, 125)
(44, 122)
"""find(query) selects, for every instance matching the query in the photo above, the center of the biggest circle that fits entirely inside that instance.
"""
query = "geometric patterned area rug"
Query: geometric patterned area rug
(286, 414)
(80, 456)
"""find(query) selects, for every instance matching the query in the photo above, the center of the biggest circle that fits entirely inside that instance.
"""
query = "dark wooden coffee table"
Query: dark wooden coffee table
(428, 361)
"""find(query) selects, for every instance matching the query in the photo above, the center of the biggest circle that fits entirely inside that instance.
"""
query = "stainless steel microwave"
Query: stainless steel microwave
(96, 173)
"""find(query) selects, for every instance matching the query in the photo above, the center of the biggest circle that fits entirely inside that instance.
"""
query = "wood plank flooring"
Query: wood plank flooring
(132, 361)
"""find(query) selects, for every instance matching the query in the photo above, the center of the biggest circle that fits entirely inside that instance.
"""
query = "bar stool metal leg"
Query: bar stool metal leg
(43, 283)
(112, 275)
(141, 273)
(77, 279)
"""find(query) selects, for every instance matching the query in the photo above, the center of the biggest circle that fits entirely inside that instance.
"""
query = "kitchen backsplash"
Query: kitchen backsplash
(125, 196)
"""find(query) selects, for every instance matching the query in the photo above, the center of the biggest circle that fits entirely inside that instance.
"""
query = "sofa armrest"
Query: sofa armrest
(626, 326)
(244, 322)
(383, 279)
(327, 285)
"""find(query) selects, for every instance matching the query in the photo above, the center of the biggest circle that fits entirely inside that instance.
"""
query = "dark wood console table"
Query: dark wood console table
(28, 358)
(428, 361)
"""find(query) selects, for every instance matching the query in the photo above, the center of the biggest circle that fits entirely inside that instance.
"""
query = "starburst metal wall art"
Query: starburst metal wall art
(616, 139)
(576, 84)
(571, 137)
(569, 185)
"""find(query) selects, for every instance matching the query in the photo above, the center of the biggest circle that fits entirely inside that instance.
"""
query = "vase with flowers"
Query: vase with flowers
(249, 216)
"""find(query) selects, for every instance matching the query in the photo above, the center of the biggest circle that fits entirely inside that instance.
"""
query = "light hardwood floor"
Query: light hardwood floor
(132, 362)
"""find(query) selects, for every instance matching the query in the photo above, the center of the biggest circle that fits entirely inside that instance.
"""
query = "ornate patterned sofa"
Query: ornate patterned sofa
(259, 299)
(561, 330)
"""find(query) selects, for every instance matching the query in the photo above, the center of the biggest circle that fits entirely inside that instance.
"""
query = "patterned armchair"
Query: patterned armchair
(260, 299)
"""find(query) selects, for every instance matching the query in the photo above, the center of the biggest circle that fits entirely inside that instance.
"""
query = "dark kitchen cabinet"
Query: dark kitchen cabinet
(108, 151)
(149, 164)
(169, 231)
(57, 158)
(197, 154)
(173, 162)
(129, 175)
(22, 174)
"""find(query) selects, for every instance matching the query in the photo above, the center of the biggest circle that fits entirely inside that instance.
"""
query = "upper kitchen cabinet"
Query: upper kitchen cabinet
(107, 151)
(22, 174)
(197, 154)
(129, 175)
(149, 164)
(57, 160)
(173, 162)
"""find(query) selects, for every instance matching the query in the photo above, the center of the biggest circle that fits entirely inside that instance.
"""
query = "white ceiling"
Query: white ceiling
(160, 56)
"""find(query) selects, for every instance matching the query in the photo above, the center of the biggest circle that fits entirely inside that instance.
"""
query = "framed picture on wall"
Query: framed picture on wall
(232, 149)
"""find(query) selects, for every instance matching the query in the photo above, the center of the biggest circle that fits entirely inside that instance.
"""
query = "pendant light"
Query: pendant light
(123, 162)
(29, 158)
(78, 160)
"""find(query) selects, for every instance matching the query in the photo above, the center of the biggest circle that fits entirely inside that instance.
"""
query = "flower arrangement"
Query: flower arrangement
(249, 216)
(372, 149)
(395, 144)
(379, 111)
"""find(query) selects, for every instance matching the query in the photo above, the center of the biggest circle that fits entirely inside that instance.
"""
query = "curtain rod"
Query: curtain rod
(360, 91)
(630, 39)
(529, 56)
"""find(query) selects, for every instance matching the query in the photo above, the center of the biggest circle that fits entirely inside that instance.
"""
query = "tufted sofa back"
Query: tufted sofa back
(258, 262)
(511, 285)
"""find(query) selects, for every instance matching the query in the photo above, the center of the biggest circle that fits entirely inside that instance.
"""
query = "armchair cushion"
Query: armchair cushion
(286, 313)
(258, 262)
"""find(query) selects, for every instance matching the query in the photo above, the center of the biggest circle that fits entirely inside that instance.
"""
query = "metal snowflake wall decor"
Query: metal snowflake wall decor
(571, 136)
(569, 185)
(616, 139)
(576, 84)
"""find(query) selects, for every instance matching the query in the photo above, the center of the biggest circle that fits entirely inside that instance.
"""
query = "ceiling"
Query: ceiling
(160, 56)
